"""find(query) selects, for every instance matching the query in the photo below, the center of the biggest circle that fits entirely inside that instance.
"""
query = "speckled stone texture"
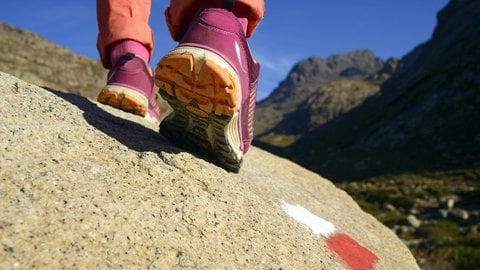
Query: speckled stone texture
(87, 186)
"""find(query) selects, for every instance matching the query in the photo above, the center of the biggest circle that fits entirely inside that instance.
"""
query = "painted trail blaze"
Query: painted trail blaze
(354, 255)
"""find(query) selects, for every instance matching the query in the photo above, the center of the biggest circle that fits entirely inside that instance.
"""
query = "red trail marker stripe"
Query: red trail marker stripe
(352, 253)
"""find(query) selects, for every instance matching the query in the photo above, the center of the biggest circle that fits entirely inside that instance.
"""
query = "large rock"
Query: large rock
(87, 186)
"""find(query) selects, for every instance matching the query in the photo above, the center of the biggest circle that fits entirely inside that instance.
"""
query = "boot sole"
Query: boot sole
(204, 93)
(126, 100)
(123, 98)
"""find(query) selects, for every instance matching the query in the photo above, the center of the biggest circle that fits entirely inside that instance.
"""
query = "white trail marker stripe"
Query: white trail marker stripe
(316, 224)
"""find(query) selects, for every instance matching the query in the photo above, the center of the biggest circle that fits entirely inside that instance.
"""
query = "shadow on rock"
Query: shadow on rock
(131, 134)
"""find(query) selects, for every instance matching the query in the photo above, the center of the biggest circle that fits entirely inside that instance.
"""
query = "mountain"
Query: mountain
(87, 186)
(315, 91)
(31, 57)
(424, 117)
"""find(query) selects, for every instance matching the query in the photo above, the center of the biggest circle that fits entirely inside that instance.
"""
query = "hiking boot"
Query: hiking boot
(210, 81)
(130, 88)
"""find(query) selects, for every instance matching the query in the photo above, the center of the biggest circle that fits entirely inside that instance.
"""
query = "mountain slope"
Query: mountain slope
(425, 117)
(30, 57)
(315, 91)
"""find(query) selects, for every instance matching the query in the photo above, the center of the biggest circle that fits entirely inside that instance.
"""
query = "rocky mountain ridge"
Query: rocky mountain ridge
(316, 91)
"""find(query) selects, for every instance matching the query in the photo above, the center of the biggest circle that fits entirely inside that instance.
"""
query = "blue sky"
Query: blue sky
(291, 30)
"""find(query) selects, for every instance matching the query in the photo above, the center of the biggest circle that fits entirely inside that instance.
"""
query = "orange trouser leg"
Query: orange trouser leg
(128, 19)
(122, 19)
(181, 13)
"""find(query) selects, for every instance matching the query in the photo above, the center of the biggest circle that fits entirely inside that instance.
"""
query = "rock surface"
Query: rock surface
(86, 186)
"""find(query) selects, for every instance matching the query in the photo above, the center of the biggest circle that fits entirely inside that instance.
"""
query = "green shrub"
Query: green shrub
(471, 240)
(391, 219)
(403, 202)
(465, 257)
(438, 190)
(439, 232)
(372, 208)
(381, 195)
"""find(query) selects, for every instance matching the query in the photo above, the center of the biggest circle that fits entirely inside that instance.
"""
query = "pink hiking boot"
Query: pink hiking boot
(210, 80)
(130, 88)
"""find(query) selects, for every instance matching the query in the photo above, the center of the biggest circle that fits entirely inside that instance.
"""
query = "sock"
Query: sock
(129, 46)
(244, 23)
(242, 13)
